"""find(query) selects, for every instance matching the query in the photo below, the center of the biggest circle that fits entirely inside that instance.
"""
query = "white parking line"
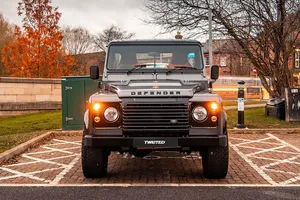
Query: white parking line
(66, 167)
(21, 174)
(284, 142)
(53, 150)
(265, 150)
(279, 151)
(33, 162)
(30, 173)
(255, 141)
(281, 161)
(62, 150)
(65, 171)
(262, 170)
(68, 142)
(291, 180)
(254, 166)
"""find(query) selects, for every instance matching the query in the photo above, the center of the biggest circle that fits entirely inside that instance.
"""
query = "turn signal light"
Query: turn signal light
(96, 106)
(214, 118)
(214, 106)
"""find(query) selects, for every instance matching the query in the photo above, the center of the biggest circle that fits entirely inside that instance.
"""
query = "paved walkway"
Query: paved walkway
(246, 106)
(272, 159)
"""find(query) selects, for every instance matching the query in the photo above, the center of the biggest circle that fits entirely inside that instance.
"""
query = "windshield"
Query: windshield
(149, 57)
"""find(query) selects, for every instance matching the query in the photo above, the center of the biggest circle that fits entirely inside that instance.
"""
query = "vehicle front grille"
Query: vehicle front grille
(156, 118)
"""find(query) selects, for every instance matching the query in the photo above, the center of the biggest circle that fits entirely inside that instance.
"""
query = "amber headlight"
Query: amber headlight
(199, 113)
(111, 114)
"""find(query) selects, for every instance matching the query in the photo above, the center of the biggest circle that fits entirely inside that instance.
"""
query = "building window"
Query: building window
(223, 61)
(297, 60)
(207, 61)
(243, 61)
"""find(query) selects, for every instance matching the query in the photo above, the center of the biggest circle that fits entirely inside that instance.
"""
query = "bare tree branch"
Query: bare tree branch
(77, 40)
(6, 35)
(267, 31)
(102, 39)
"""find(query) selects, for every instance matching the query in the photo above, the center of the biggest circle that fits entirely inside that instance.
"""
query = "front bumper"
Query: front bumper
(155, 142)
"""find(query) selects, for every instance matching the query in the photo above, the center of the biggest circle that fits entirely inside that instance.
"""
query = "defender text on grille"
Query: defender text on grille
(156, 93)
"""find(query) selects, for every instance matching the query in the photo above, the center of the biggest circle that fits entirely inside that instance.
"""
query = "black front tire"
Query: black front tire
(94, 161)
(215, 162)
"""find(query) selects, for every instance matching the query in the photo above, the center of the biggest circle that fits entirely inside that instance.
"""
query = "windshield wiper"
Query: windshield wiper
(136, 68)
(179, 68)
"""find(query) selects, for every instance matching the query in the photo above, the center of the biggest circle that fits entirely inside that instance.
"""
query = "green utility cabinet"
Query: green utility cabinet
(76, 91)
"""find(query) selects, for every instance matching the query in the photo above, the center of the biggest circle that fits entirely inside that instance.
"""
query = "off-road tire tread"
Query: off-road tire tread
(94, 161)
(215, 165)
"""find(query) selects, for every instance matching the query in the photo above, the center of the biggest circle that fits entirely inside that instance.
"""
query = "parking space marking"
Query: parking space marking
(265, 150)
(292, 180)
(275, 150)
(253, 141)
(68, 142)
(20, 174)
(256, 159)
(54, 165)
(265, 169)
(65, 171)
(254, 166)
(284, 142)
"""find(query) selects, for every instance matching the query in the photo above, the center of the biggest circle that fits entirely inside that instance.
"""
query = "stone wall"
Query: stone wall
(28, 94)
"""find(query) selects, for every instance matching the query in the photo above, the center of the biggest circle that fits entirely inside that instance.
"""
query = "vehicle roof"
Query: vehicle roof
(157, 41)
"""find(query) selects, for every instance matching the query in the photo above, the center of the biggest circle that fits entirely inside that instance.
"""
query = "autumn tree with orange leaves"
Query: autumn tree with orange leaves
(37, 50)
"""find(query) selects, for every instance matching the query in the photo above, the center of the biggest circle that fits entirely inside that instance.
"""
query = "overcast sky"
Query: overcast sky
(96, 15)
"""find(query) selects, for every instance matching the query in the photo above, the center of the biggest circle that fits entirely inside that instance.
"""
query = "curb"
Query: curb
(264, 131)
(6, 155)
(100, 185)
(68, 132)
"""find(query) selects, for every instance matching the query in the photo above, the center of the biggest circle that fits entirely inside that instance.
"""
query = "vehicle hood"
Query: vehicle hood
(156, 88)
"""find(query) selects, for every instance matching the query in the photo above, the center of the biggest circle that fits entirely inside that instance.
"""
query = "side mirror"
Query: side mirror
(214, 73)
(94, 72)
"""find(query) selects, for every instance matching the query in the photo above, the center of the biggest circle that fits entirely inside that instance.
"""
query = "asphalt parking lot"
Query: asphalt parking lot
(270, 159)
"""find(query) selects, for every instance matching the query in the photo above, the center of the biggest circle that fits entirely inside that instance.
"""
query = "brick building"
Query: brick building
(84, 61)
(228, 55)
(233, 62)
(296, 66)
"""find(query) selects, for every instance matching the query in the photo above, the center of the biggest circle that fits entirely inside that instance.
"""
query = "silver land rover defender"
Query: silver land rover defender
(155, 96)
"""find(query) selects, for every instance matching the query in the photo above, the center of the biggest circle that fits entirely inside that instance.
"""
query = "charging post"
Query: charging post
(241, 105)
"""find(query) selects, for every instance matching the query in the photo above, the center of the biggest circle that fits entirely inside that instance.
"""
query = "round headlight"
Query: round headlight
(199, 113)
(111, 114)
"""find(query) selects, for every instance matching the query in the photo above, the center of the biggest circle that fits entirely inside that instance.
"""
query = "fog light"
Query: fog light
(214, 118)
(97, 119)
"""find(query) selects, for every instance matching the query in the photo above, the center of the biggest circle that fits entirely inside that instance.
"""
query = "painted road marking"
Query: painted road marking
(254, 166)
(265, 169)
(55, 155)
(65, 167)
(65, 171)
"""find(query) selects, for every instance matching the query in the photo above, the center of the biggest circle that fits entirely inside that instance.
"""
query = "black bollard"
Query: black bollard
(241, 121)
